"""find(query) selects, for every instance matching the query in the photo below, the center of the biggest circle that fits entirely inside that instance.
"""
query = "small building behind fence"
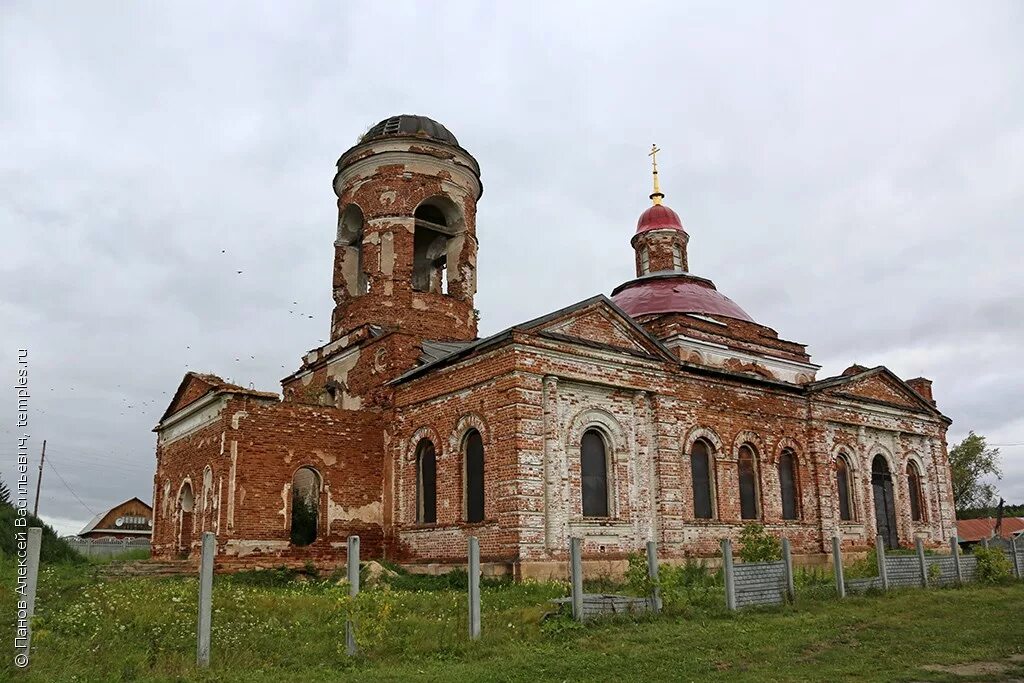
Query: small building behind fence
(132, 519)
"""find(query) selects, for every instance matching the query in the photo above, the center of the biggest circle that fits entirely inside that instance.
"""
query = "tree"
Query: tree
(5, 493)
(970, 461)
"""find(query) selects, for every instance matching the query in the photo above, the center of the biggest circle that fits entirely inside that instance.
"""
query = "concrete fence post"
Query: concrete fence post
(954, 548)
(787, 566)
(837, 566)
(984, 543)
(576, 576)
(209, 542)
(728, 571)
(474, 588)
(883, 570)
(1015, 558)
(652, 574)
(922, 563)
(24, 645)
(353, 591)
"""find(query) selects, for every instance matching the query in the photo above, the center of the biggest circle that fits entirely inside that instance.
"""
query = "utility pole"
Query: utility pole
(39, 481)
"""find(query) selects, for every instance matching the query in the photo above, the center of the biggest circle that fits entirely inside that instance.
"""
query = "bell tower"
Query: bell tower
(405, 254)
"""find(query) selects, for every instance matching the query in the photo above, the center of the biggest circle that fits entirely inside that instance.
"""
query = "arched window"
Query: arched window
(843, 488)
(350, 239)
(645, 261)
(677, 256)
(748, 483)
(305, 506)
(700, 472)
(787, 484)
(594, 474)
(426, 483)
(430, 250)
(914, 486)
(474, 473)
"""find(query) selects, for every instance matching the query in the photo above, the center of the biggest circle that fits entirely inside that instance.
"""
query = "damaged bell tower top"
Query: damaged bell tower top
(405, 255)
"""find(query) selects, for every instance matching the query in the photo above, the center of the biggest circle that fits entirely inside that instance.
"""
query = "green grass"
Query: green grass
(89, 629)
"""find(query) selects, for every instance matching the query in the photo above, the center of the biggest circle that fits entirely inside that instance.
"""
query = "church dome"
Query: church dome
(410, 125)
(670, 292)
(658, 217)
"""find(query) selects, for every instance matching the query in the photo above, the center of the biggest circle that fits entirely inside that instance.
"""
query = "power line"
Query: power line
(69, 488)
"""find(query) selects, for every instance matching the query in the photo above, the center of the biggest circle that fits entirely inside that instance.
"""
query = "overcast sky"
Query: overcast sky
(850, 174)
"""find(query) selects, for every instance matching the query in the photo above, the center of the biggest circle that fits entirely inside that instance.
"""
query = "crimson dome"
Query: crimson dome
(675, 293)
(658, 217)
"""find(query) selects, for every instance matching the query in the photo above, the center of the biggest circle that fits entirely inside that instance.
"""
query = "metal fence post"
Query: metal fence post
(576, 575)
(883, 570)
(727, 570)
(652, 574)
(24, 645)
(787, 562)
(837, 566)
(954, 547)
(922, 563)
(205, 599)
(353, 591)
(474, 588)
(1014, 557)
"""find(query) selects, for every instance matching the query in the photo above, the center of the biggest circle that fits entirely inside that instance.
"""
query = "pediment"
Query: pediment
(877, 385)
(599, 323)
(193, 387)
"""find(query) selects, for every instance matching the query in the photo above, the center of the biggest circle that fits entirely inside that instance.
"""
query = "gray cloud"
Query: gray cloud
(851, 176)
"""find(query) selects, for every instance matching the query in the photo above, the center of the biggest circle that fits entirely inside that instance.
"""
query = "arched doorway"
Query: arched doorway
(885, 507)
(186, 504)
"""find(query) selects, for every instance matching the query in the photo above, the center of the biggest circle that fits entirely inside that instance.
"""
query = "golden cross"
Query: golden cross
(653, 154)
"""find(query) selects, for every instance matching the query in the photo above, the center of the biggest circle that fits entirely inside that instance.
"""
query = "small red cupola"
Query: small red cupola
(660, 240)
(658, 217)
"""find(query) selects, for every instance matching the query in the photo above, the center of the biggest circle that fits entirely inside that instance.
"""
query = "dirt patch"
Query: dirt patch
(970, 669)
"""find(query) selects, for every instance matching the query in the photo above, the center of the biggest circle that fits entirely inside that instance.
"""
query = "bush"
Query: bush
(688, 584)
(993, 565)
(757, 546)
(54, 549)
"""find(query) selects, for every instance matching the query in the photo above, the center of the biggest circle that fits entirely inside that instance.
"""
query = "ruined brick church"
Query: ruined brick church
(664, 412)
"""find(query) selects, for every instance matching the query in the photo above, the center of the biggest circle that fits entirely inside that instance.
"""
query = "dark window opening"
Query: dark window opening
(700, 471)
(426, 483)
(350, 239)
(594, 471)
(787, 483)
(914, 486)
(885, 505)
(305, 506)
(430, 250)
(748, 483)
(474, 477)
(843, 487)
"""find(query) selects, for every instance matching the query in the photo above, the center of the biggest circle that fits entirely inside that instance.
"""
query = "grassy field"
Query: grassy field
(269, 628)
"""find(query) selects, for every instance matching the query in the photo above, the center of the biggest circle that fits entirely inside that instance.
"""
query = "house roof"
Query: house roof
(977, 529)
(91, 526)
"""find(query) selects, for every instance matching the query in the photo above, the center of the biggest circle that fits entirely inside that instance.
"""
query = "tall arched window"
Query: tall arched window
(748, 483)
(645, 261)
(350, 239)
(305, 506)
(700, 472)
(474, 473)
(843, 488)
(430, 250)
(594, 474)
(787, 484)
(914, 486)
(426, 482)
